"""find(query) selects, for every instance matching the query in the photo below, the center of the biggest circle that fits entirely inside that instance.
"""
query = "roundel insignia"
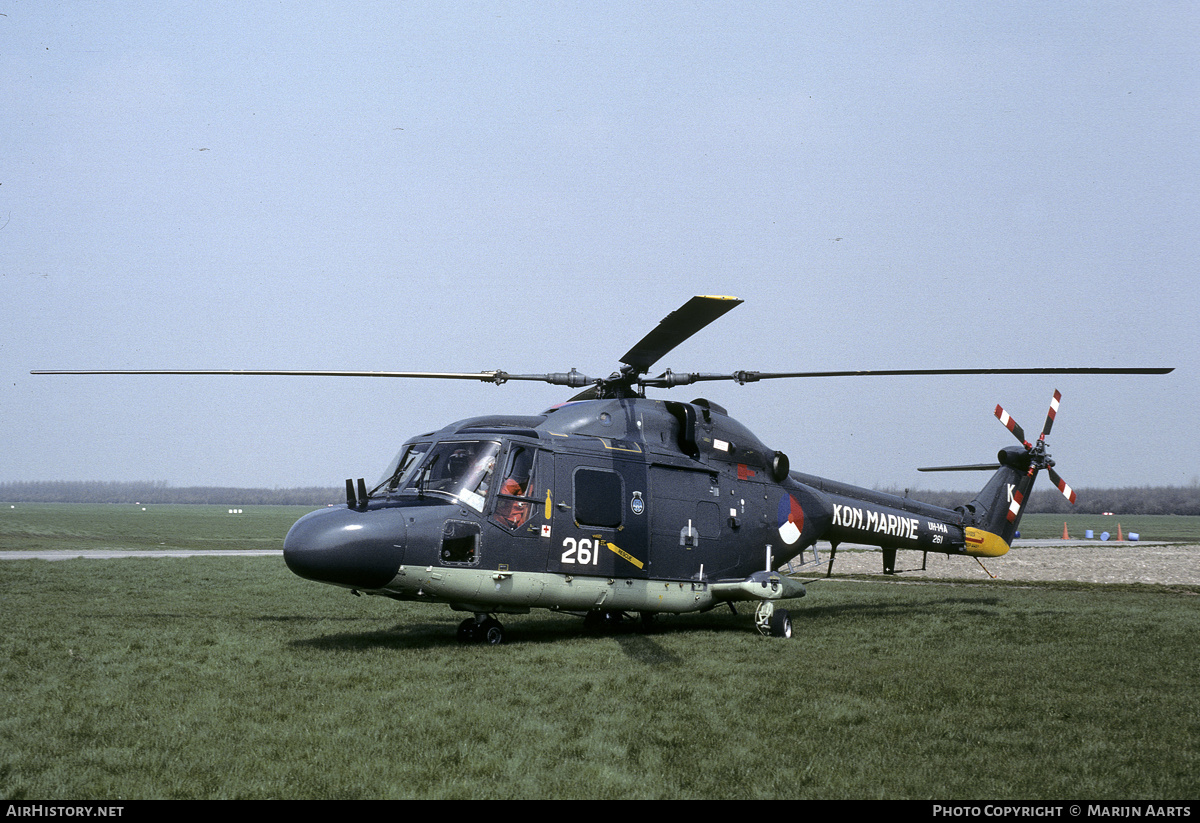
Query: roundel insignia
(791, 519)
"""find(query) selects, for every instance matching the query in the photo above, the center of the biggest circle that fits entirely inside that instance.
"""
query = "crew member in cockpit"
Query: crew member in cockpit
(516, 512)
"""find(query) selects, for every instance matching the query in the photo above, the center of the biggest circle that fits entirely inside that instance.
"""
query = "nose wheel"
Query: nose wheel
(481, 628)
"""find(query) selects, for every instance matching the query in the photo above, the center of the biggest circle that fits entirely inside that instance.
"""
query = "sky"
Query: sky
(429, 186)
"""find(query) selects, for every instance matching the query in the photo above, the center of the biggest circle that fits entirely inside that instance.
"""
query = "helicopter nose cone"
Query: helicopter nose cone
(358, 549)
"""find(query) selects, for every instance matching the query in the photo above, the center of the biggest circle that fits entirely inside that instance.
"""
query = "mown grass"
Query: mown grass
(53, 526)
(231, 678)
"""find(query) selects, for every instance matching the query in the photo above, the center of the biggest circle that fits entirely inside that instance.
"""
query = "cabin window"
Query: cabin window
(598, 498)
(460, 542)
(708, 519)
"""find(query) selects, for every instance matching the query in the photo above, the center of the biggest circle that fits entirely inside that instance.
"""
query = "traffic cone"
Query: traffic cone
(1119, 535)
(1065, 535)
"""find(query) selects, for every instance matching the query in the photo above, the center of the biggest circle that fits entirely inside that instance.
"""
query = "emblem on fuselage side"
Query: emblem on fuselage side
(791, 519)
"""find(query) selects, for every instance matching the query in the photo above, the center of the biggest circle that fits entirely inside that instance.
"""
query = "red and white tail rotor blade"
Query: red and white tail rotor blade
(1014, 506)
(1039, 459)
(1053, 412)
(1012, 426)
(1066, 490)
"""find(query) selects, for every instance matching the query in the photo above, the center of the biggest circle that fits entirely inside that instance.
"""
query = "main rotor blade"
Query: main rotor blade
(281, 372)
(676, 327)
(572, 378)
(751, 376)
(669, 378)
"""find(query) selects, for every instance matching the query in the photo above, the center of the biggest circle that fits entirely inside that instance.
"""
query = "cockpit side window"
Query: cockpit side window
(516, 489)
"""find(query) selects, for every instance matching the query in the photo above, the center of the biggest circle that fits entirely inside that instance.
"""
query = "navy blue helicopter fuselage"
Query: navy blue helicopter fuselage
(639, 504)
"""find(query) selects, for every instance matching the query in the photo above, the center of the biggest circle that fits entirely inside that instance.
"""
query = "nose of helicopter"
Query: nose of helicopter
(346, 547)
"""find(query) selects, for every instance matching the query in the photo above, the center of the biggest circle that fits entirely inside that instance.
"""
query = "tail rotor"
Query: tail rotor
(1038, 457)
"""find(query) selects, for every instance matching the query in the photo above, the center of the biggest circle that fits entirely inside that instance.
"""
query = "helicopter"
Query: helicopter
(613, 504)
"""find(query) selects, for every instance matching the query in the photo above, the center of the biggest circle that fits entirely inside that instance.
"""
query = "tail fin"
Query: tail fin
(997, 509)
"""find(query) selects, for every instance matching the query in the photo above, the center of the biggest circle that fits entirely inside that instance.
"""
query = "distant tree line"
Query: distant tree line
(1130, 500)
(71, 491)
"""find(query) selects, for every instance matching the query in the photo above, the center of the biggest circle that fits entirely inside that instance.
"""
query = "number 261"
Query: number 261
(583, 552)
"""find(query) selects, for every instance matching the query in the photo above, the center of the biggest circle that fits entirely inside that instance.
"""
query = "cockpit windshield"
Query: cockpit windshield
(459, 469)
(397, 471)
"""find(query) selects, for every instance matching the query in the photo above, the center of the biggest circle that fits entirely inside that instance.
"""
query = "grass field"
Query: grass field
(230, 677)
(48, 526)
(1147, 526)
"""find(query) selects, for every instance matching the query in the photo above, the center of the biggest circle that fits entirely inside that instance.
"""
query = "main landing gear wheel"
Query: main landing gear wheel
(491, 632)
(772, 622)
(481, 629)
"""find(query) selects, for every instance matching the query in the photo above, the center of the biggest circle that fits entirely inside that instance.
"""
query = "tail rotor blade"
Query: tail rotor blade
(1014, 506)
(1012, 426)
(1066, 490)
(1052, 413)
